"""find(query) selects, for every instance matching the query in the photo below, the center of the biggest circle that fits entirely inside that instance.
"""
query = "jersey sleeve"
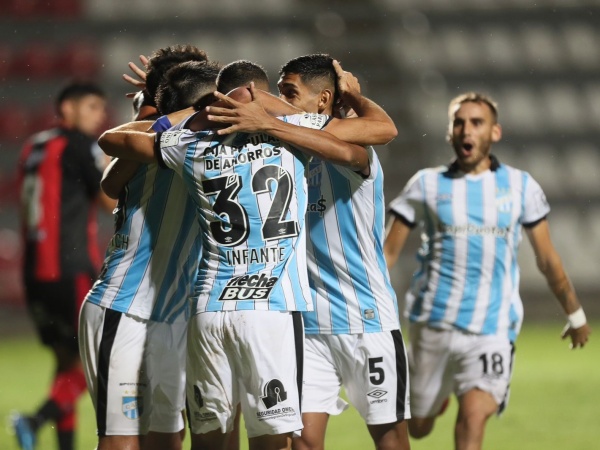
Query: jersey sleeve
(358, 177)
(410, 204)
(170, 148)
(535, 206)
(308, 120)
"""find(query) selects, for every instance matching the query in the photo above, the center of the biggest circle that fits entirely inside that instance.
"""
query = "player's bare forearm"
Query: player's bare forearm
(563, 290)
(374, 128)
(320, 144)
(179, 116)
(131, 144)
(550, 264)
(117, 175)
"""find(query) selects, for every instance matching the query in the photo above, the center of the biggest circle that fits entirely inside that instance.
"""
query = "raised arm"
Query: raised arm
(373, 126)
(550, 264)
(252, 118)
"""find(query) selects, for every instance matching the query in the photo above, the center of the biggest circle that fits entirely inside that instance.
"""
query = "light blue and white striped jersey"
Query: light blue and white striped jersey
(348, 276)
(250, 190)
(152, 260)
(471, 231)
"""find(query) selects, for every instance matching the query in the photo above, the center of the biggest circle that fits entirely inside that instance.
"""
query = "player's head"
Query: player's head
(81, 105)
(473, 127)
(309, 83)
(242, 73)
(190, 83)
(143, 107)
(164, 58)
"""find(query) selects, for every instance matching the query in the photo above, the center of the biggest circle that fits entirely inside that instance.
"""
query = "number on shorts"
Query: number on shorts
(494, 362)
(377, 375)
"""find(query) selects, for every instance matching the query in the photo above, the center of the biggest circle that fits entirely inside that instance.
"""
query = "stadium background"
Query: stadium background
(539, 59)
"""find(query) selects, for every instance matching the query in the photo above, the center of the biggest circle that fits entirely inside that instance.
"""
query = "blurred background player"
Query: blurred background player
(60, 171)
(464, 305)
(138, 362)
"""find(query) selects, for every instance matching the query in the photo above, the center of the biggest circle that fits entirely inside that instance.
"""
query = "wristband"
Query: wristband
(577, 319)
(161, 124)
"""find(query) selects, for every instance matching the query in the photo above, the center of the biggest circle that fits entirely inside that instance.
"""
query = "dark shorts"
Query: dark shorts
(54, 308)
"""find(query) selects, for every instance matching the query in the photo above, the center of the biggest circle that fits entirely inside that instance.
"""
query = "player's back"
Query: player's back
(349, 279)
(151, 262)
(251, 194)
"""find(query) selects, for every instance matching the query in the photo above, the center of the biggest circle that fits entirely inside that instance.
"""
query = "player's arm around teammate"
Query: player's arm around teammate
(131, 141)
(372, 126)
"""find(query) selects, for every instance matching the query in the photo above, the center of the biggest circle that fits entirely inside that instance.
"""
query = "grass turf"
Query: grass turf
(554, 401)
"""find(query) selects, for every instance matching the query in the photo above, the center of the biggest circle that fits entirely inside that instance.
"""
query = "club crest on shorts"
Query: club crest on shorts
(273, 393)
(132, 407)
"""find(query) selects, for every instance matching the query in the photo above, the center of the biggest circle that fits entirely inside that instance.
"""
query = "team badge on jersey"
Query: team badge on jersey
(503, 200)
(313, 120)
(132, 407)
(170, 138)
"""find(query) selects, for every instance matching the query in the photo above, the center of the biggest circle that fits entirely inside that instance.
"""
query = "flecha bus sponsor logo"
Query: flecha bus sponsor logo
(249, 287)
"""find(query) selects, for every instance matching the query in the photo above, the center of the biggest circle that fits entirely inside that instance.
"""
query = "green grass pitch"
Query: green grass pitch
(554, 402)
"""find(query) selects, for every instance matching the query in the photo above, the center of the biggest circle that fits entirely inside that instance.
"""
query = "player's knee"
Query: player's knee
(420, 427)
(302, 443)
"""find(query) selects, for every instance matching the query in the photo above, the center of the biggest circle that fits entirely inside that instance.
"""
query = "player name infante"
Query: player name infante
(269, 255)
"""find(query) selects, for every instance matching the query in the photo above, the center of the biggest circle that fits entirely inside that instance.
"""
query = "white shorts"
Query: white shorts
(443, 362)
(371, 366)
(135, 371)
(248, 357)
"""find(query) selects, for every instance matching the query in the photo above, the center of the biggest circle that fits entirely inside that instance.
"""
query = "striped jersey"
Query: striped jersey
(59, 180)
(471, 230)
(250, 190)
(349, 280)
(151, 262)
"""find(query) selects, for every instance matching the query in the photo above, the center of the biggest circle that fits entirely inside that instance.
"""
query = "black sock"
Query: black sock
(65, 440)
(48, 411)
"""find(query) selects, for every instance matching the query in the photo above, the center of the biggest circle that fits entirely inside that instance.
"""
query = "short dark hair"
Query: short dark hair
(315, 70)
(164, 58)
(77, 89)
(189, 83)
(240, 73)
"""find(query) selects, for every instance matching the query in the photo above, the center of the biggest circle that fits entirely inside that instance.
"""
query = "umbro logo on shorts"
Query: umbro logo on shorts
(377, 393)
